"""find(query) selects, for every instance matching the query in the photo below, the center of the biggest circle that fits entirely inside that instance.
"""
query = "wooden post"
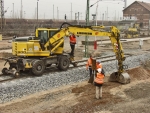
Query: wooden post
(94, 67)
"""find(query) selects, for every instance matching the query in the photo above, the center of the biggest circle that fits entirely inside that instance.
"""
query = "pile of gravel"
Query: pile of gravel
(23, 87)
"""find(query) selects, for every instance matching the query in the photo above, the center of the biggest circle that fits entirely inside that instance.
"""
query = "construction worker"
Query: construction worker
(99, 80)
(72, 43)
(89, 65)
(98, 64)
(140, 43)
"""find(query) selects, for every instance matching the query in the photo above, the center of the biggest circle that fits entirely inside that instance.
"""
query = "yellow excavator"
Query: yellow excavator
(132, 33)
(47, 47)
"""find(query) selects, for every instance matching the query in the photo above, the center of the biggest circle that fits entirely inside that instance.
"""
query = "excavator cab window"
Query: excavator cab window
(43, 36)
(52, 32)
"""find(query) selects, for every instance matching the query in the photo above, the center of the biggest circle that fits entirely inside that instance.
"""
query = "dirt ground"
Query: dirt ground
(117, 98)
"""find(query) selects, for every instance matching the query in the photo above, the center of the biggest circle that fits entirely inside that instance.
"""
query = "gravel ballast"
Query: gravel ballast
(22, 87)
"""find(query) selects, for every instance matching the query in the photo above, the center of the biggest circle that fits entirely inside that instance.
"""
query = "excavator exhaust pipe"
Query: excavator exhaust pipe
(123, 78)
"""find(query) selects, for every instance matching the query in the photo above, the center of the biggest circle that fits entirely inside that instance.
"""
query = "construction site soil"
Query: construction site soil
(117, 98)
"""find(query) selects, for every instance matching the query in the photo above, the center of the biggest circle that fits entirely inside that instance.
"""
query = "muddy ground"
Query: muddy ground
(80, 97)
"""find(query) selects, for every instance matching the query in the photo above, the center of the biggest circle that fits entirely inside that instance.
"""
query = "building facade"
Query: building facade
(140, 11)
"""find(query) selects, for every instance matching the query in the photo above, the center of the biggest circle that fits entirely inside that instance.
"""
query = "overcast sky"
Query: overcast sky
(112, 9)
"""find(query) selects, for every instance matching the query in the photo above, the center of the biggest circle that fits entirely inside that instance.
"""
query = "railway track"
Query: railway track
(5, 78)
(53, 68)
(9, 78)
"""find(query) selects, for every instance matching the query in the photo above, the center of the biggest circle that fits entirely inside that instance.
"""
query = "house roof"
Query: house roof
(144, 4)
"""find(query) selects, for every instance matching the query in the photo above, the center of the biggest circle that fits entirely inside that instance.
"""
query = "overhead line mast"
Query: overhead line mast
(2, 14)
(87, 19)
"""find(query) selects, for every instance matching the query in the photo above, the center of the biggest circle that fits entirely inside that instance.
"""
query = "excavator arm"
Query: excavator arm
(57, 39)
(113, 34)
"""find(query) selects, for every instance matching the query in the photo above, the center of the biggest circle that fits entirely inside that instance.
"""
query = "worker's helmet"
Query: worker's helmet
(98, 61)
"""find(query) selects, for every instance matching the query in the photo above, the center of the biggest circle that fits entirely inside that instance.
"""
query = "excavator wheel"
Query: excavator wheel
(122, 78)
(63, 63)
(4, 71)
(38, 67)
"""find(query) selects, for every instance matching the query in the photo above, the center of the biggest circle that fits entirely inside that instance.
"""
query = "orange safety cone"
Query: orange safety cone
(95, 44)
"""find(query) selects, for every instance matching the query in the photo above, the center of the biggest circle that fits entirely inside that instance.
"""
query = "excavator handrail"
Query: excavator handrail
(81, 26)
(64, 24)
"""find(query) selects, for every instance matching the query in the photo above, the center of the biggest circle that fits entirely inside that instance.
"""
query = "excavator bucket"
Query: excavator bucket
(122, 78)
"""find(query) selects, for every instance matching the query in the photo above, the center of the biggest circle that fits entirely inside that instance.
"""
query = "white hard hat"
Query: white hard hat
(99, 70)
(98, 61)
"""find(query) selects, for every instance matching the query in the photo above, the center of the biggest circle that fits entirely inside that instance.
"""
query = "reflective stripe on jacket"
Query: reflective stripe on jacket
(99, 79)
(72, 39)
(89, 63)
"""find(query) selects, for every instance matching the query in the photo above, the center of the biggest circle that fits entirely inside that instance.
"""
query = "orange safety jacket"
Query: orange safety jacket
(72, 39)
(98, 66)
(89, 63)
(99, 79)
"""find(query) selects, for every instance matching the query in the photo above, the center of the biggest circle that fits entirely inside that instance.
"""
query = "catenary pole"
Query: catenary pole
(87, 24)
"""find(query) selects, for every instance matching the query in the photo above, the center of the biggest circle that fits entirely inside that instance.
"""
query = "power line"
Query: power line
(111, 0)
(95, 3)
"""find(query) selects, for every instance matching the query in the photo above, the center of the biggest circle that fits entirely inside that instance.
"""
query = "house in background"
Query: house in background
(140, 11)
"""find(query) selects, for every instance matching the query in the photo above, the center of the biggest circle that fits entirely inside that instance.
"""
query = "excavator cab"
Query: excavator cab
(33, 46)
(43, 34)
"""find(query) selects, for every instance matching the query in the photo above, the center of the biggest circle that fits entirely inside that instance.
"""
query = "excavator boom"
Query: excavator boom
(113, 34)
